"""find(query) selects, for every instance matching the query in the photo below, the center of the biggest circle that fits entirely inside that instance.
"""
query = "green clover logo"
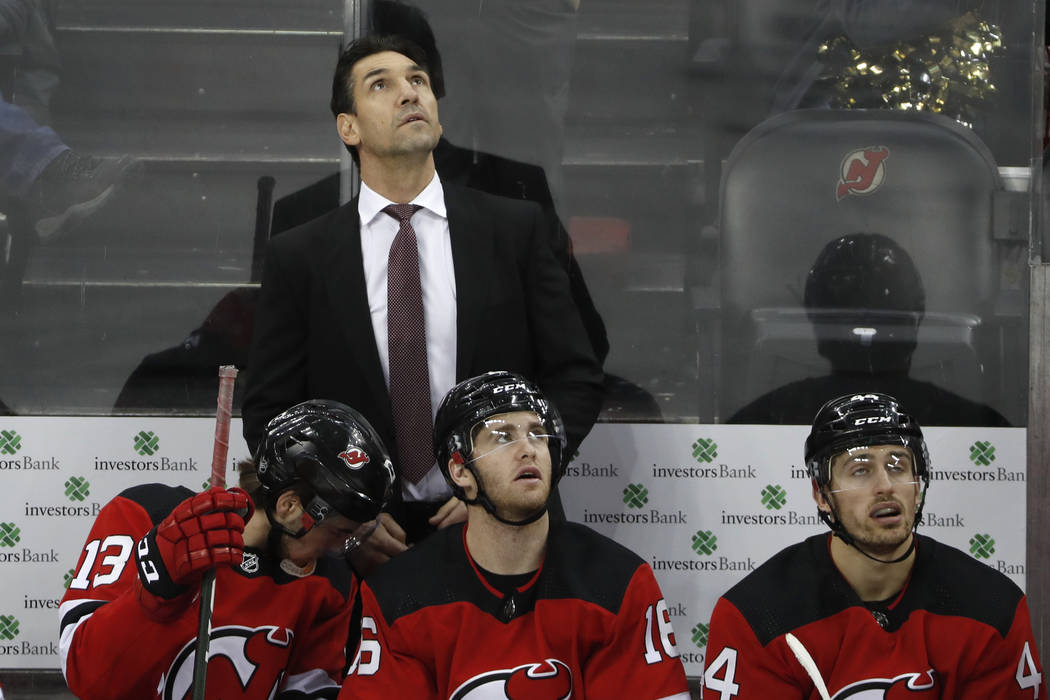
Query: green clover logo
(982, 546)
(700, 635)
(705, 450)
(9, 534)
(774, 497)
(206, 485)
(8, 627)
(77, 488)
(146, 443)
(982, 453)
(10, 442)
(635, 495)
(705, 542)
(68, 578)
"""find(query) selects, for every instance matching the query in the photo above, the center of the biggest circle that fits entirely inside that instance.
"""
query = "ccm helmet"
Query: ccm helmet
(331, 448)
(856, 420)
(472, 401)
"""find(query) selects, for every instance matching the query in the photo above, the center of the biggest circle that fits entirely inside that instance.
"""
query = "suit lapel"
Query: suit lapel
(344, 279)
(472, 245)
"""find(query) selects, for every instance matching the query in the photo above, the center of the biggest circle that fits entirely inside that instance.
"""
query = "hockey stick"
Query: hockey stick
(808, 663)
(220, 449)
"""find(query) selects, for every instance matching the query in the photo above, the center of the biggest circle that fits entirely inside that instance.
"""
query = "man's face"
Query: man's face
(511, 456)
(875, 491)
(396, 112)
(325, 537)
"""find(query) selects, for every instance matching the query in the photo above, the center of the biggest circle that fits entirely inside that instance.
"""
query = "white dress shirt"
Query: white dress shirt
(438, 281)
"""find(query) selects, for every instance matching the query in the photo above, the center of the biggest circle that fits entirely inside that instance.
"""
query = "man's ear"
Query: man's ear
(346, 125)
(288, 510)
(818, 496)
(459, 472)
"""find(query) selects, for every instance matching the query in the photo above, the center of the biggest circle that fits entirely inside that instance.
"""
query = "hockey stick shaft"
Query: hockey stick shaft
(804, 658)
(220, 451)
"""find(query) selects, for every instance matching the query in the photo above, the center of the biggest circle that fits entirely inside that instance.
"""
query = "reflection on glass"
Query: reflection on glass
(865, 301)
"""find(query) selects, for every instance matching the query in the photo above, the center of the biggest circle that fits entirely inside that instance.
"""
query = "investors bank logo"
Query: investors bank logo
(700, 635)
(774, 497)
(8, 627)
(982, 453)
(982, 546)
(10, 535)
(146, 443)
(635, 495)
(10, 442)
(77, 488)
(705, 451)
(705, 543)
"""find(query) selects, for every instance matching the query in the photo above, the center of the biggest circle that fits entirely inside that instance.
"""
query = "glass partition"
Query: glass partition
(771, 202)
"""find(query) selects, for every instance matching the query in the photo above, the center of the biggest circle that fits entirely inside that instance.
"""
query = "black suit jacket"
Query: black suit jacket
(313, 332)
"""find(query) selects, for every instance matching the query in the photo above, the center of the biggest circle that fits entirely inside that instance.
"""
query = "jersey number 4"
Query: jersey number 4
(725, 663)
(1028, 675)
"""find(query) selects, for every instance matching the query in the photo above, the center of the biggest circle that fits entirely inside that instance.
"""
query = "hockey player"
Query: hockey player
(873, 610)
(512, 604)
(281, 620)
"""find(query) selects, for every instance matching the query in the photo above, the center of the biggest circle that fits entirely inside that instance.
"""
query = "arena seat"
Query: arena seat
(799, 180)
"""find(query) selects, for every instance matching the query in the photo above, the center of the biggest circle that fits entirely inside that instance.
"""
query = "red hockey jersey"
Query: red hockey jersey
(271, 632)
(959, 630)
(592, 623)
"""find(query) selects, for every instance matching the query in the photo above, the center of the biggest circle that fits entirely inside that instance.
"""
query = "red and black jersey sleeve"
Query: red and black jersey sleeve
(103, 628)
(640, 658)
(386, 666)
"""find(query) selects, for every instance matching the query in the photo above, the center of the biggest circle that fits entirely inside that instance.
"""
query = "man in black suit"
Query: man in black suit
(494, 297)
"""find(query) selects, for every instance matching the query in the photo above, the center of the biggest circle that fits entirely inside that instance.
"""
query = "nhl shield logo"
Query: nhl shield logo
(250, 563)
(547, 680)
(862, 171)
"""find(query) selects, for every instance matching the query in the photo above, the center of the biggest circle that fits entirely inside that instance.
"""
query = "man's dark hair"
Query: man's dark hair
(342, 81)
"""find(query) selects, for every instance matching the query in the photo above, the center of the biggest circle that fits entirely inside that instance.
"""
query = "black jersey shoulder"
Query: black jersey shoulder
(588, 566)
(796, 586)
(580, 564)
(433, 572)
(158, 500)
(948, 581)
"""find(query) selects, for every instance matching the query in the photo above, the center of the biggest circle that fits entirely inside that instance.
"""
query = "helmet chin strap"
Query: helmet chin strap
(490, 507)
(839, 530)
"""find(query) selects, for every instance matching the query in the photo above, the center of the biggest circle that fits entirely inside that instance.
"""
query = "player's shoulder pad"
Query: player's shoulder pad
(337, 572)
(587, 565)
(434, 571)
(794, 587)
(156, 499)
(947, 581)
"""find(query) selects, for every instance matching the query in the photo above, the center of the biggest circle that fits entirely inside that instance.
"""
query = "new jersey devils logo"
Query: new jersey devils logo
(907, 686)
(354, 457)
(862, 171)
(253, 658)
(548, 680)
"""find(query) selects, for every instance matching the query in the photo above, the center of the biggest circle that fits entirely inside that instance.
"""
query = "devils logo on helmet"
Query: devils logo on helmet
(862, 171)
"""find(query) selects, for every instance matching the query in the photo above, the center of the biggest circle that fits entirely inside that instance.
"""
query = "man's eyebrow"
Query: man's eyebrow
(372, 73)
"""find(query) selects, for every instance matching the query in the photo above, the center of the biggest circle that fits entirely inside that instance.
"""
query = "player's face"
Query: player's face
(875, 491)
(325, 537)
(511, 455)
(396, 111)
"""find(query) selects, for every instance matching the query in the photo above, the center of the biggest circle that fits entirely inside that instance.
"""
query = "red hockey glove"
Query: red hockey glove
(204, 531)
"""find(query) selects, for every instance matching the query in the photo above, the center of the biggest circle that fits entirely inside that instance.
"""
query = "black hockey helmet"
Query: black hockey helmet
(333, 450)
(857, 420)
(473, 400)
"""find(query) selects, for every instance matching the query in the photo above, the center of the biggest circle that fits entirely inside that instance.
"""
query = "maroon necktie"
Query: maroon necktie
(407, 345)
